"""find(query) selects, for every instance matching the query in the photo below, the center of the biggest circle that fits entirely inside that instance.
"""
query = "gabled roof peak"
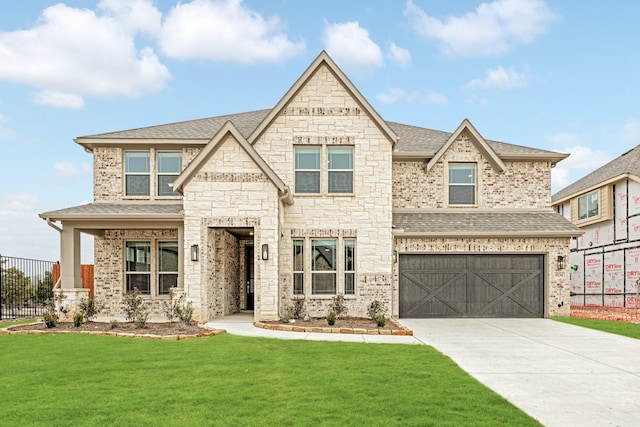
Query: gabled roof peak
(476, 139)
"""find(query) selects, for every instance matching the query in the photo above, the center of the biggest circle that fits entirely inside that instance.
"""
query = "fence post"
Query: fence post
(1, 274)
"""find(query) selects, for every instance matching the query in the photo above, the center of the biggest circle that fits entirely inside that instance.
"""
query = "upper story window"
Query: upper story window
(139, 168)
(307, 165)
(169, 167)
(462, 183)
(312, 177)
(340, 174)
(588, 205)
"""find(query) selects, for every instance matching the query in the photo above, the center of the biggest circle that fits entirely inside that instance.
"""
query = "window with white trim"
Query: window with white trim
(141, 166)
(462, 183)
(588, 205)
(307, 169)
(169, 166)
(335, 177)
(137, 169)
(327, 263)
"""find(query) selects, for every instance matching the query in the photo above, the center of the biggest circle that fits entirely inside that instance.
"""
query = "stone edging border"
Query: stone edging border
(402, 330)
(177, 337)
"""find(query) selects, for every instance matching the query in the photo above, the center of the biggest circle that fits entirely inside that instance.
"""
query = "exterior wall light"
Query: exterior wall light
(194, 252)
(562, 263)
(265, 252)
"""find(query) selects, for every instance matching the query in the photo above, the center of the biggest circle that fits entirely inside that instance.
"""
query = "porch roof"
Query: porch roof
(479, 223)
(117, 210)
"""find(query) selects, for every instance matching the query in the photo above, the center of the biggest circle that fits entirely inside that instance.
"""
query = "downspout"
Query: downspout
(287, 197)
(52, 225)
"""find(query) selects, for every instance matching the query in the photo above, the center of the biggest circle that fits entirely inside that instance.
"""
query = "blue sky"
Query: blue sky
(556, 75)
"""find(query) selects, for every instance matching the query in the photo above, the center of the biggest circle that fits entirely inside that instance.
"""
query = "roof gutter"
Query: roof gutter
(52, 225)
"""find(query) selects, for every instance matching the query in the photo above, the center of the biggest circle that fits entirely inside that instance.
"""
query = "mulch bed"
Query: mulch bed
(347, 325)
(174, 330)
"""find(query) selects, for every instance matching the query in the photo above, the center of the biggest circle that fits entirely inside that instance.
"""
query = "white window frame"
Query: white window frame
(158, 173)
(129, 273)
(153, 175)
(128, 173)
(160, 272)
(325, 170)
(298, 266)
(588, 200)
(451, 166)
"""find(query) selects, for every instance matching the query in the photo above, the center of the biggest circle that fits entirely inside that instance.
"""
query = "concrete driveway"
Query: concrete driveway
(560, 374)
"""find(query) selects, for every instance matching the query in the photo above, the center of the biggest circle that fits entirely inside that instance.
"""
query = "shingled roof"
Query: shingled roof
(412, 139)
(453, 223)
(115, 210)
(627, 164)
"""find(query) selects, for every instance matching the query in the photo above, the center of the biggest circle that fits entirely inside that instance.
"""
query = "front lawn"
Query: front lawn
(12, 322)
(230, 380)
(631, 330)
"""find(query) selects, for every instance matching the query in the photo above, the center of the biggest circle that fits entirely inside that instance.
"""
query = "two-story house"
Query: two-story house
(605, 261)
(316, 197)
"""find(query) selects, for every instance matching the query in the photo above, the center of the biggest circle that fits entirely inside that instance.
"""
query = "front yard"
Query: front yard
(230, 380)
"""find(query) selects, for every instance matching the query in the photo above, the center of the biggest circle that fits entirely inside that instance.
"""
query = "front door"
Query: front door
(249, 285)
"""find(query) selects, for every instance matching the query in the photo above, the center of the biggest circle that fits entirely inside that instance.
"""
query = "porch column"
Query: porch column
(70, 258)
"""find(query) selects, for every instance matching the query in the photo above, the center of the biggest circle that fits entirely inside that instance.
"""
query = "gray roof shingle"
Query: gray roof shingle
(484, 223)
(627, 163)
(412, 139)
(114, 210)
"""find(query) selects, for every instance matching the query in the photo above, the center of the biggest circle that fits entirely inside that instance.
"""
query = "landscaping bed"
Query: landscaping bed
(174, 330)
(348, 325)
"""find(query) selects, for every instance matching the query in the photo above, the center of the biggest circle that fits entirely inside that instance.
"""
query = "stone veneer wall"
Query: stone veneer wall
(109, 269)
(557, 285)
(323, 113)
(230, 190)
(224, 273)
(521, 185)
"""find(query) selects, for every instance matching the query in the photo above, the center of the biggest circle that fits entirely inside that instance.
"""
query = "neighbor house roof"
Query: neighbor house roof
(487, 223)
(627, 165)
(117, 210)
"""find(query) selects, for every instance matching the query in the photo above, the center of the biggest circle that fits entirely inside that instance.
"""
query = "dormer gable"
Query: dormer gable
(226, 133)
(476, 139)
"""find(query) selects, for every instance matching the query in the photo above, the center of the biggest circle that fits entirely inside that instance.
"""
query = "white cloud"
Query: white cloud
(396, 94)
(134, 16)
(4, 131)
(631, 130)
(399, 55)
(566, 139)
(224, 30)
(58, 99)
(499, 78)
(69, 169)
(492, 29)
(582, 160)
(73, 53)
(351, 47)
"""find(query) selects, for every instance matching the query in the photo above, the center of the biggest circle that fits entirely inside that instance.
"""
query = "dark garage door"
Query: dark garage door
(471, 285)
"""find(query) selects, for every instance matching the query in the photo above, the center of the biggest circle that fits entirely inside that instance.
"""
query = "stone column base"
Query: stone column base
(67, 300)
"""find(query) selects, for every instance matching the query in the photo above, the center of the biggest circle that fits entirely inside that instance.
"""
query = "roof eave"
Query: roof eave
(481, 234)
(595, 187)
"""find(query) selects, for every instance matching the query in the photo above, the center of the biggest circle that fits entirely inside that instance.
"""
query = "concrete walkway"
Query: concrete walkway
(561, 375)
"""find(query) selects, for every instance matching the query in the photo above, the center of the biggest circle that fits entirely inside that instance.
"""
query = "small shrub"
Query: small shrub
(338, 305)
(184, 311)
(89, 308)
(298, 307)
(331, 317)
(78, 319)
(135, 309)
(113, 323)
(376, 308)
(286, 313)
(50, 319)
(381, 320)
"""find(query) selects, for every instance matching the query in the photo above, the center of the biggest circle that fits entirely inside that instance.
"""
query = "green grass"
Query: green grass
(229, 380)
(16, 322)
(631, 330)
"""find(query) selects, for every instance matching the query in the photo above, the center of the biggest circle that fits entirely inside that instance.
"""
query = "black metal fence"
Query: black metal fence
(25, 286)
